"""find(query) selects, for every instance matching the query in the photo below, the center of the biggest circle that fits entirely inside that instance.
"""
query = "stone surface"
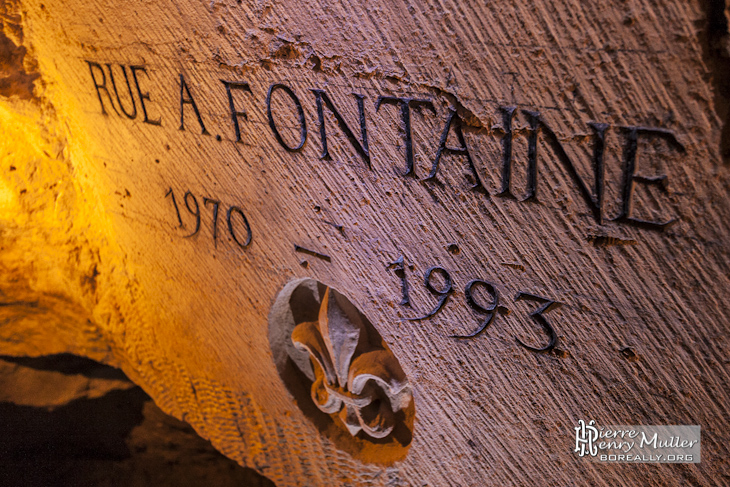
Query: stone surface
(124, 228)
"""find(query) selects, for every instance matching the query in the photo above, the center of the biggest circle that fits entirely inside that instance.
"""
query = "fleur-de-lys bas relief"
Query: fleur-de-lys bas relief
(356, 377)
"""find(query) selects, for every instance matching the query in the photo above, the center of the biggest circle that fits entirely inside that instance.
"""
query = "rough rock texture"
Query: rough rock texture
(71, 421)
(104, 254)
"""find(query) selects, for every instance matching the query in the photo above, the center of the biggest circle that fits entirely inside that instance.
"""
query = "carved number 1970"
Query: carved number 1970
(193, 207)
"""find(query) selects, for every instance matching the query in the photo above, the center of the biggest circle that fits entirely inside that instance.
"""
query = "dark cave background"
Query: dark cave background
(70, 421)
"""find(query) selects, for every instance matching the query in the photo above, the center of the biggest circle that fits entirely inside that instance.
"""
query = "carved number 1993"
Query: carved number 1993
(490, 311)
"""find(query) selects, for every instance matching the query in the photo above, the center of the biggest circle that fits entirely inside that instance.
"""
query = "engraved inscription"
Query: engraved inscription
(236, 221)
(490, 310)
(406, 104)
(186, 98)
(313, 253)
(443, 294)
(114, 97)
(300, 114)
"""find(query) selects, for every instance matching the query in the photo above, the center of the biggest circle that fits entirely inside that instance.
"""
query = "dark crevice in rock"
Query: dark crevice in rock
(716, 52)
(68, 364)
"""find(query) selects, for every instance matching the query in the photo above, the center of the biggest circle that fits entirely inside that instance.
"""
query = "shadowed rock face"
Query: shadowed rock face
(716, 51)
(15, 80)
(71, 421)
